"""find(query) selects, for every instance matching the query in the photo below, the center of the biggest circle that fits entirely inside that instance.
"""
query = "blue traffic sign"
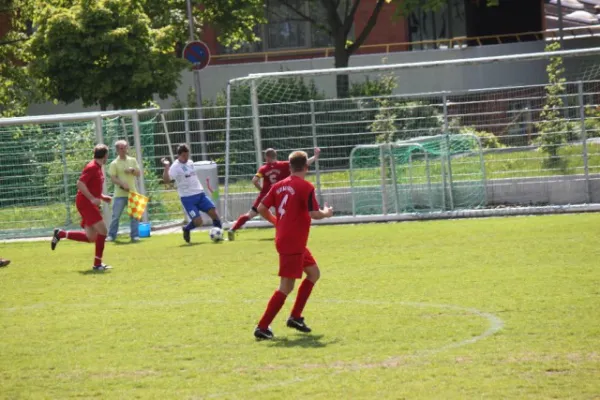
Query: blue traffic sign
(197, 53)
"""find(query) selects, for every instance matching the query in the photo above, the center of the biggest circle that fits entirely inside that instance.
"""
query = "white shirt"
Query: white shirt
(186, 179)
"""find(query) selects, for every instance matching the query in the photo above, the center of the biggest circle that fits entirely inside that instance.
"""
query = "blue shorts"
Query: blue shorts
(196, 203)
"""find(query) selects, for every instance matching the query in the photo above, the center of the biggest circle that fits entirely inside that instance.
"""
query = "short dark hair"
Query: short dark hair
(182, 148)
(100, 150)
(298, 161)
(271, 153)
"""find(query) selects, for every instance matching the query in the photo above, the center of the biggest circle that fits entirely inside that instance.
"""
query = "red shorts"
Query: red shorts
(90, 213)
(292, 265)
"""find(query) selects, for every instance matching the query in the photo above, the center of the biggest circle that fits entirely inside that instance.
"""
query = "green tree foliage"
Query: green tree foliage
(17, 89)
(118, 53)
(104, 53)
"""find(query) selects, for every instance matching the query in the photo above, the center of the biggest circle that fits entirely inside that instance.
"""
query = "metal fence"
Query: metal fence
(529, 160)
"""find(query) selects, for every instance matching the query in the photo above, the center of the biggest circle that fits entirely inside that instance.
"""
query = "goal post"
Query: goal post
(371, 105)
(428, 174)
(42, 157)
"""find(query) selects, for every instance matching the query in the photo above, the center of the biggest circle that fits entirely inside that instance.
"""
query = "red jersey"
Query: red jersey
(93, 177)
(293, 199)
(273, 173)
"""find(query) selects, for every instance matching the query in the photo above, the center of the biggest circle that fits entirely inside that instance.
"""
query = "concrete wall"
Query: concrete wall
(215, 78)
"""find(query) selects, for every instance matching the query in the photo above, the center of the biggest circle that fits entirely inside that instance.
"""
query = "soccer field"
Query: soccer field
(496, 308)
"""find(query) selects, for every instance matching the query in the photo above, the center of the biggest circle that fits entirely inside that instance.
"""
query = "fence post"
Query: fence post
(135, 120)
(256, 123)
(65, 173)
(352, 194)
(383, 181)
(313, 123)
(98, 130)
(445, 111)
(447, 155)
(227, 150)
(186, 127)
(450, 182)
(586, 171)
(394, 180)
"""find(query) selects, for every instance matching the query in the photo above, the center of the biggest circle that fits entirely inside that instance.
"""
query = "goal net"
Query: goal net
(530, 131)
(435, 173)
(42, 158)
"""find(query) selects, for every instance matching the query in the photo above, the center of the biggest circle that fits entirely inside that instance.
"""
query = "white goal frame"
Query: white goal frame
(252, 79)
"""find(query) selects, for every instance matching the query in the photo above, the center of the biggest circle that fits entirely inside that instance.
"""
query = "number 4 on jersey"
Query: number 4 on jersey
(281, 209)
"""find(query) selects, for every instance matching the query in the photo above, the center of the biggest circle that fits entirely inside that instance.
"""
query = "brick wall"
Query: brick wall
(388, 29)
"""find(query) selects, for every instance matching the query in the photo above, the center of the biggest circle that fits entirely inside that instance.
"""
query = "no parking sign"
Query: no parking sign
(197, 53)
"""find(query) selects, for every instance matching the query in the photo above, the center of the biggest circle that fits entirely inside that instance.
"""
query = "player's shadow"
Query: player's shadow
(304, 341)
(92, 272)
(265, 239)
(124, 243)
(190, 244)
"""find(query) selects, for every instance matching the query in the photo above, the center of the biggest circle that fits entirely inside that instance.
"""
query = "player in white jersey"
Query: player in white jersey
(190, 190)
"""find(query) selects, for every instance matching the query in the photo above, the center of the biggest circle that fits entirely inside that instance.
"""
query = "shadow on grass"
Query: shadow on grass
(191, 244)
(304, 341)
(124, 243)
(93, 272)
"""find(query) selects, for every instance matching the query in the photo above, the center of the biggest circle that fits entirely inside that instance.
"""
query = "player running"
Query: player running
(271, 172)
(190, 190)
(88, 200)
(295, 204)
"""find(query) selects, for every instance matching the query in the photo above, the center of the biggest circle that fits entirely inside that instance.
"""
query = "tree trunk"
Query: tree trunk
(342, 57)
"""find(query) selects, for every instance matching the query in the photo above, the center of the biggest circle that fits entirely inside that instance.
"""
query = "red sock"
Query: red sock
(78, 236)
(100, 239)
(273, 308)
(240, 222)
(302, 297)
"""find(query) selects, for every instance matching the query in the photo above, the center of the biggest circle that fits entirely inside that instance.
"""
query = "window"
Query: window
(449, 22)
(288, 30)
(255, 47)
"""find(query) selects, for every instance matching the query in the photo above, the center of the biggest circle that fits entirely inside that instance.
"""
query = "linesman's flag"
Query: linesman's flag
(136, 205)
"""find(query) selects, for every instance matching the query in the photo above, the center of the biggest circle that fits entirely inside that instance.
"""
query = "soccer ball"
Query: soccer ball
(216, 234)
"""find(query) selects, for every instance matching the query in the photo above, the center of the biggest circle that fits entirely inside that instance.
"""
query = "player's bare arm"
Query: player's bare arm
(326, 212)
(266, 214)
(315, 157)
(166, 163)
(256, 181)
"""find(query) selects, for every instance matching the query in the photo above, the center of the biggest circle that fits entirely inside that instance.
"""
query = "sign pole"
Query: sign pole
(197, 87)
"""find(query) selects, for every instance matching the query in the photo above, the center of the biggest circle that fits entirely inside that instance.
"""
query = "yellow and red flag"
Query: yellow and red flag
(136, 205)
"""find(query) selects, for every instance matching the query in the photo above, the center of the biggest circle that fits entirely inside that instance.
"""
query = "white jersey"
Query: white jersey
(186, 179)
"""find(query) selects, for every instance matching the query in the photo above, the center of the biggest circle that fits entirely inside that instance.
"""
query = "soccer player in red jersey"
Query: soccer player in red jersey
(295, 204)
(271, 172)
(88, 200)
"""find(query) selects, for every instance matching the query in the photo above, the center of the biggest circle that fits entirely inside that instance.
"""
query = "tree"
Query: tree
(234, 19)
(337, 20)
(17, 89)
(117, 53)
(104, 53)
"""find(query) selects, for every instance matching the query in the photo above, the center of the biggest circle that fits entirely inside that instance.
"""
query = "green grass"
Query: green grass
(394, 315)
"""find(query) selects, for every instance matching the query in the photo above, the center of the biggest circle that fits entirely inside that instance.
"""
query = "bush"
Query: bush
(488, 139)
